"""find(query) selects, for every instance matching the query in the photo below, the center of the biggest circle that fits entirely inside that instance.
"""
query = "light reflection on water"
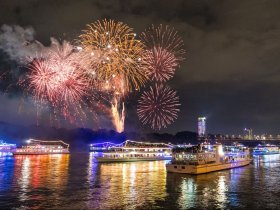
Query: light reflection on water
(267, 160)
(24, 179)
(38, 171)
(31, 174)
(132, 183)
(76, 181)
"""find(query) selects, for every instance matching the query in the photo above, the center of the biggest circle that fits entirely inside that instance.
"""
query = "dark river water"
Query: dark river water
(76, 182)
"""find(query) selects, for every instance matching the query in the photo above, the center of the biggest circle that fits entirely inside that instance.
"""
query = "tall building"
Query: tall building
(248, 134)
(201, 126)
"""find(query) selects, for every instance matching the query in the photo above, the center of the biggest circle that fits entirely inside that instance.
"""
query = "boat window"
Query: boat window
(183, 167)
(175, 166)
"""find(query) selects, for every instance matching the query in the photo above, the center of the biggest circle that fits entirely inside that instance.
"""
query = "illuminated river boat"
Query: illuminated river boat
(207, 158)
(267, 149)
(100, 147)
(136, 151)
(39, 147)
(6, 148)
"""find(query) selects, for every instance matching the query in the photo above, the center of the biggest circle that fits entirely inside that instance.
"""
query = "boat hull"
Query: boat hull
(110, 160)
(202, 169)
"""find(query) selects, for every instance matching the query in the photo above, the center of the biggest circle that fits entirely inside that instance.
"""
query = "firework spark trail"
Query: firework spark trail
(165, 52)
(158, 107)
(118, 117)
(116, 90)
(117, 105)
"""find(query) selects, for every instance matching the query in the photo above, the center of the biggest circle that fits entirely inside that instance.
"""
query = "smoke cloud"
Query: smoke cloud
(20, 43)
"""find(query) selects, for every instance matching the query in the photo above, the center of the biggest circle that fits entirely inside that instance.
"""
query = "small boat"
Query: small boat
(136, 151)
(266, 149)
(40, 147)
(205, 158)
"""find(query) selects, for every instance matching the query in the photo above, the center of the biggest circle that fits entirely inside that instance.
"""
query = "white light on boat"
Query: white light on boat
(220, 150)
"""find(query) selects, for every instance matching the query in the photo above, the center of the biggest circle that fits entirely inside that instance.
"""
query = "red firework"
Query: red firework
(158, 107)
(165, 52)
(60, 80)
(57, 82)
(42, 80)
(161, 64)
(71, 84)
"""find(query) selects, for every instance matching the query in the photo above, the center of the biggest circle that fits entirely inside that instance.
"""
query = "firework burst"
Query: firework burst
(41, 80)
(59, 80)
(161, 64)
(103, 34)
(158, 107)
(107, 65)
(115, 52)
(164, 52)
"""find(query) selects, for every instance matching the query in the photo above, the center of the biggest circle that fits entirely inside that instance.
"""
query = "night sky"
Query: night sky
(230, 75)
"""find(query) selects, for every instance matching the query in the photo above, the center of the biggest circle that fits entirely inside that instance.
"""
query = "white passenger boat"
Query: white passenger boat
(136, 151)
(266, 149)
(206, 158)
(39, 147)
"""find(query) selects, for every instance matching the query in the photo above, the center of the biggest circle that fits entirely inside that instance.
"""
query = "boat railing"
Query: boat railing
(135, 152)
(128, 150)
(194, 163)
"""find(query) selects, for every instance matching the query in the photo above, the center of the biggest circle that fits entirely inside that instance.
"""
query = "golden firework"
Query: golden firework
(102, 33)
(115, 52)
